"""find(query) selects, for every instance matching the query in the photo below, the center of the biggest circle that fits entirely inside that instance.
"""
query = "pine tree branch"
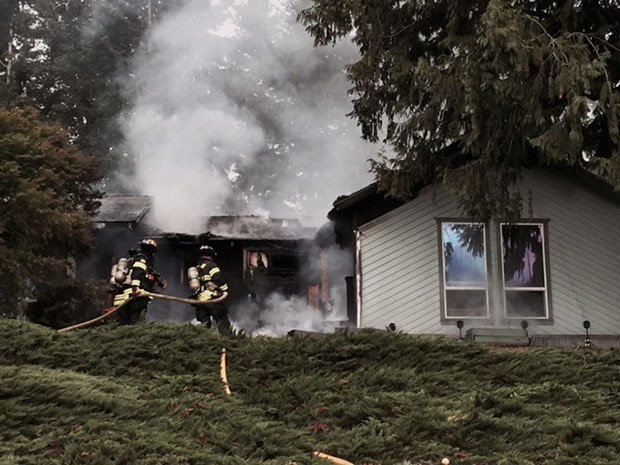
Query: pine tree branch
(594, 36)
(403, 29)
(552, 40)
(538, 14)
(5, 65)
(607, 78)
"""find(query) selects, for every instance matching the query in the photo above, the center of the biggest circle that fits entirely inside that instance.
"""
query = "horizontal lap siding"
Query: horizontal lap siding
(410, 265)
(399, 264)
(400, 260)
(584, 255)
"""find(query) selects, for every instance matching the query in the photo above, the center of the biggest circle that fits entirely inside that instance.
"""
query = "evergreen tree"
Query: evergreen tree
(71, 67)
(47, 196)
(69, 59)
(467, 92)
(9, 46)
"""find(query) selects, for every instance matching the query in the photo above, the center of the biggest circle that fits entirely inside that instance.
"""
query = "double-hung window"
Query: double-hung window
(464, 270)
(524, 270)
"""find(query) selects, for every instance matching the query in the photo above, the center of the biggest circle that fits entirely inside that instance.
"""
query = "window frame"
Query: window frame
(445, 319)
(543, 224)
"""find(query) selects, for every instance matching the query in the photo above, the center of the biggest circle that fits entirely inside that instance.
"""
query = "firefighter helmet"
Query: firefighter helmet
(207, 251)
(148, 245)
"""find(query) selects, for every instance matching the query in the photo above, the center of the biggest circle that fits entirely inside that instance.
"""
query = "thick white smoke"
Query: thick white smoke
(279, 315)
(235, 112)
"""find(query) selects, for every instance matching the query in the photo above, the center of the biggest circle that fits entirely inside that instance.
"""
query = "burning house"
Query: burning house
(259, 256)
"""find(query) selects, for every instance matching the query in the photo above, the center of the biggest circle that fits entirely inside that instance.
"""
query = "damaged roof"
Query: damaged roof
(123, 208)
(257, 227)
(133, 208)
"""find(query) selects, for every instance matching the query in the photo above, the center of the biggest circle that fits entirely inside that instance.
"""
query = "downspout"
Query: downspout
(358, 276)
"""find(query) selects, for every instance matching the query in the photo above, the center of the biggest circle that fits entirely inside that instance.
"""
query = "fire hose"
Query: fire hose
(223, 373)
(331, 458)
(112, 311)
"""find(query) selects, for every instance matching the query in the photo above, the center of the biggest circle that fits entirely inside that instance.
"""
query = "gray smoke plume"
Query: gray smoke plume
(279, 315)
(235, 112)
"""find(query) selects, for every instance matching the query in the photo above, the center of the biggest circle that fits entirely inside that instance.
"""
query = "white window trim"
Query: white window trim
(464, 288)
(526, 289)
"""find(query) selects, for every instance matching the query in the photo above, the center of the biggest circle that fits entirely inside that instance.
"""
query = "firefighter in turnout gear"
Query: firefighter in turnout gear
(142, 277)
(207, 282)
(120, 282)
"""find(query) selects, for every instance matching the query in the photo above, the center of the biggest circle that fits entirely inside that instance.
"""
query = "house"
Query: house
(425, 268)
(258, 255)
(118, 226)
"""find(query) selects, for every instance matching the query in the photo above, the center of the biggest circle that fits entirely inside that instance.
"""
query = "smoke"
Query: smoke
(339, 263)
(103, 14)
(234, 112)
(278, 315)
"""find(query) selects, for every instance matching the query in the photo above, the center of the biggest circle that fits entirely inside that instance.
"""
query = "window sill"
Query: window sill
(466, 321)
(531, 321)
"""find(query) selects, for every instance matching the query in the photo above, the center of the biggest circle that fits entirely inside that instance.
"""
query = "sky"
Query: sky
(235, 112)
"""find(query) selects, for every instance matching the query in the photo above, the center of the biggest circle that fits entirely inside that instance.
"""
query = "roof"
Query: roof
(345, 201)
(590, 180)
(123, 208)
(582, 176)
(257, 227)
(133, 208)
(363, 205)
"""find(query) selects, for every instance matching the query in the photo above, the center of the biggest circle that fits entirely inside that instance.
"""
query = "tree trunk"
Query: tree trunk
(149, 12)
(9, 58)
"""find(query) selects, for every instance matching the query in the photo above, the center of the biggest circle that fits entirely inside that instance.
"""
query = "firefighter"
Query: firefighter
(143, 277)
(120, 279)
(210, 285)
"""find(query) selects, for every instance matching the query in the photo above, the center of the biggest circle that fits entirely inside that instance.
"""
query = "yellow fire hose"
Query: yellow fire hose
(185, 301)
(223, 372)
(89, 323)
(331, 458)
(99, 319)
(223, 375)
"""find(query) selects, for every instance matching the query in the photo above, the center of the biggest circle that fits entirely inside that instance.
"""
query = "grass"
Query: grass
(152, 394)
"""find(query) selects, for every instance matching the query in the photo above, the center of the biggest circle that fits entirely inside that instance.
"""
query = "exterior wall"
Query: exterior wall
(400, 262)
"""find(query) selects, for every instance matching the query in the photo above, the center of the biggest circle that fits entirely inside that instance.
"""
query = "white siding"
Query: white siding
(584, 255)
(400, 278)
(400, 266)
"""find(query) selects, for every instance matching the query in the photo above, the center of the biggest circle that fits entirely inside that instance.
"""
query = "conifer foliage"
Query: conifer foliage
(46, 197)
(69, 59)
(468, 92)
(152, 395)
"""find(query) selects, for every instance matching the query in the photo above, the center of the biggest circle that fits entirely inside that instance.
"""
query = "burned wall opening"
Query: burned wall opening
(268, 264)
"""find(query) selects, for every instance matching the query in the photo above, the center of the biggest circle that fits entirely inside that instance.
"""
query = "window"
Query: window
(285, 262)
(524, 270)
(464, 270)
(256, 259)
